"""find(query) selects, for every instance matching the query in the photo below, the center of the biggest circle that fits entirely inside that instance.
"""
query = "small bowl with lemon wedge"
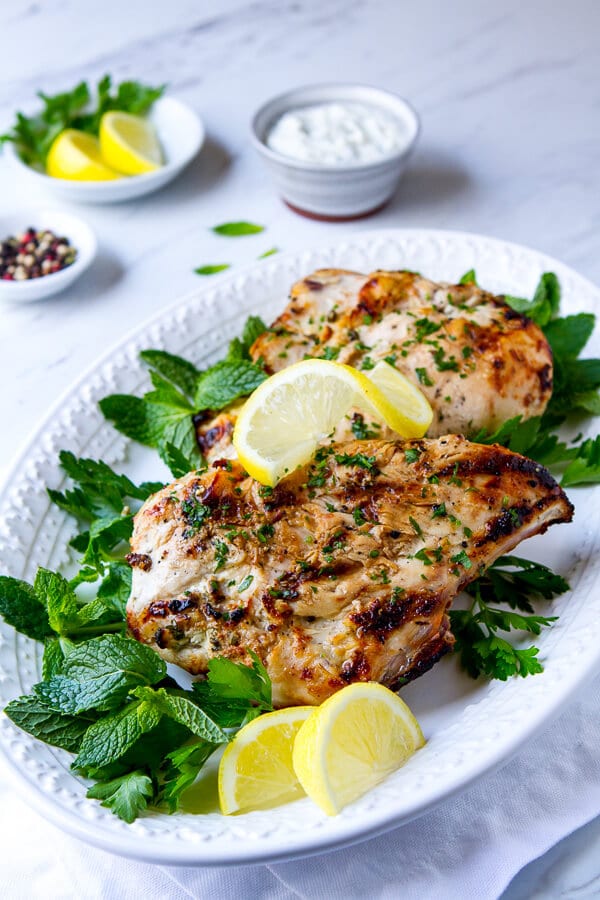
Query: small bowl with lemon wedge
(133, 154)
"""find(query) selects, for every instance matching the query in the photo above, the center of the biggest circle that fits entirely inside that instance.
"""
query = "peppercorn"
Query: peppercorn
(34, 254)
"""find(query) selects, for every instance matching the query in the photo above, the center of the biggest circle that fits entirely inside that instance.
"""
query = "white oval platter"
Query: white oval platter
(471, 727)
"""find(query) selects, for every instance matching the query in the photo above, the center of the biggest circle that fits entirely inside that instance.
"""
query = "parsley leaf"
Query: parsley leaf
(127, 796)
(233, 693)
(182, 768)
(513, 581)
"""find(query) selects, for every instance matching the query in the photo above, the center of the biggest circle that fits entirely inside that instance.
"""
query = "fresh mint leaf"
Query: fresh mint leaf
(46, 724)
(469, 277)
(177, 461)
(568, 336)
(238, 229)
(61, 603)
(99, 674)
(21, 607)
(109, 739)
(253, 329)
(115, 588)
(132, 417)
(127, 796)
(212, 270)
(53, 658)
(239, 348)
(184, 711)
(270, 252)
(180, 372)
(545, 303)
(227, 381)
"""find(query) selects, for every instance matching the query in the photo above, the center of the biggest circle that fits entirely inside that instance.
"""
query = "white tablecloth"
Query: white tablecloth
(469, 847)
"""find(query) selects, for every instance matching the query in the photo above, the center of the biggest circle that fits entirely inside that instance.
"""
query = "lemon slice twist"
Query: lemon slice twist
(284, 420)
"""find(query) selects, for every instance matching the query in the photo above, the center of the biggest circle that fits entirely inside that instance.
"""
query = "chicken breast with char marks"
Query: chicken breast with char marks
(477, 361)
(343, 572)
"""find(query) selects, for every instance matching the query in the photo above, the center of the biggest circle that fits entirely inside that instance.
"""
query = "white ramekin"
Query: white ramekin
(327, 191)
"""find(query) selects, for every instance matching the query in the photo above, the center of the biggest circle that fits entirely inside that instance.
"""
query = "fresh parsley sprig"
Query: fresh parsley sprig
(33, 135)
(514, 582)
(102, 500)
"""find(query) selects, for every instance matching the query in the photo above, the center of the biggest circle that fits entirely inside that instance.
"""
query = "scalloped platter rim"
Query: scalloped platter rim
(471, 728)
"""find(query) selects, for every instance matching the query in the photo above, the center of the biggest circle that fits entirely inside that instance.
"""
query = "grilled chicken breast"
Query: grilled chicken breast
(477, 360)
(343, 572)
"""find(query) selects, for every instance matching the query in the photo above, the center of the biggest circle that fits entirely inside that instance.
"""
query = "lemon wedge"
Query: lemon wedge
(129, 143)
(76, 155)
(353, 741)
(283, 421)
(256, 770)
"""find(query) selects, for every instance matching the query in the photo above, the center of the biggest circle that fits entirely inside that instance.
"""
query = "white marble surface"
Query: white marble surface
(509, 95)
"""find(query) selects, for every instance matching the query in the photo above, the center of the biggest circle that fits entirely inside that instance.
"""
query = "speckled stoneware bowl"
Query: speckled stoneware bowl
(335, 192)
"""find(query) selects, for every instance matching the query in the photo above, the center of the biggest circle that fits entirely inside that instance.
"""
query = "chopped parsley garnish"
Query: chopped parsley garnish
(443, 364)
(221, 554)
(245, 583)
(462, 559)
(423, 556)
(195, 514)
(438, 511)
(360, 430)
(265, 532)
(423, 377)
(416, 527)
(426, 327)
(359, 517)
(412, 455)
(356, 459)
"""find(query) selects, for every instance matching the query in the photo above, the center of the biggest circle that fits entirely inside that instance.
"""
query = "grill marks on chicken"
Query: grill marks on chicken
(477, 361)
(343, 572)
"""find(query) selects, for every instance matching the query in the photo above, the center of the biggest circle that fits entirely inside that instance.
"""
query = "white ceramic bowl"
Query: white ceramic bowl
(181, 135)
(62, 224)
(342, 191)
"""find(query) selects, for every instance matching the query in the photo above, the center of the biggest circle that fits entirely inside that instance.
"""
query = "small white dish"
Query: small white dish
(181, 134)
(80, 235)
(335, 192)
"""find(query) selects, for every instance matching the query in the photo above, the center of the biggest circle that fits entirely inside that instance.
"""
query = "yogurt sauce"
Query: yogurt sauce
(338, 134)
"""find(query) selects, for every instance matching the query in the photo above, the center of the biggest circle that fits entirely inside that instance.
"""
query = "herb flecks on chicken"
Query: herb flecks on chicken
(344, 572)
(477, 360)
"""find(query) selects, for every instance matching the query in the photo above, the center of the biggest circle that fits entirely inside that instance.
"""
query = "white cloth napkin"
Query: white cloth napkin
(470, 846)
